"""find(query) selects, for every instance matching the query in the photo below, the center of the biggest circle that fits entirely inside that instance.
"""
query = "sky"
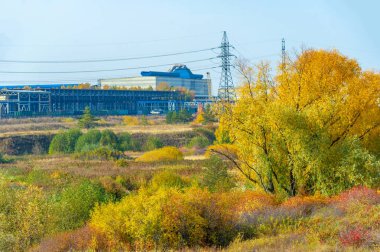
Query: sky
(66, 30)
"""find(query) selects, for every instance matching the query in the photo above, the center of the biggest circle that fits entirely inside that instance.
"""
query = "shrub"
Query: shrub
(152, 143)
(75, 202)
(360, 193)
(24, 217)
(89, 140)
(183, 116)
(108, 138)
(215, 175)
(144, 121)
(64, 142)
(168, 153)
(354, 236)
(121, 163)
(199, 119)
(127, 143)
(166, 219)
(355, 195)
(209, 133)
(81, 239)
(167, 179)
(100, 153)
(199, 142)
(113, 187)
(130, 120)
(3, 160)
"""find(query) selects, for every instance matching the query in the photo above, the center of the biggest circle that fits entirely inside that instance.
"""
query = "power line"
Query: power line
(102, 70)
(112, 44)
(103, 60)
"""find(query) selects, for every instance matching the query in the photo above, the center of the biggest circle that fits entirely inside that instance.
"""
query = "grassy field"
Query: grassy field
(100, 198)
(347, 222)
(52, 125)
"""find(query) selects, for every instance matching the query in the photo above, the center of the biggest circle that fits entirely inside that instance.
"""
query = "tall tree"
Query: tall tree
(314, 127)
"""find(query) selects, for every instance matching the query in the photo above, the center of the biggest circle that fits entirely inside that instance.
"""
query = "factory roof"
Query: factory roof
(35, 85)
(177, 71)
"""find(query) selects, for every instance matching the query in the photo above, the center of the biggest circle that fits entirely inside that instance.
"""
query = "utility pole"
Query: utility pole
(226, 91)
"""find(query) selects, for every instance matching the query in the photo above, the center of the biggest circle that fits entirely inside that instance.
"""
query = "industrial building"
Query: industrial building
(69, 99)
(178, 76)
(56, 102)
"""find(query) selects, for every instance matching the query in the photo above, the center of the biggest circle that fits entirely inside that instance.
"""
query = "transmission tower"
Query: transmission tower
(226, 91)
(283, 52)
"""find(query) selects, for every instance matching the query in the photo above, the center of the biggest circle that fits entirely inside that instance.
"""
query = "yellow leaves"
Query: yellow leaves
(199, 119)
(333, 91)
(286, 132)
(222, 150)
(173, 219)
(168, 153)
(130, 120)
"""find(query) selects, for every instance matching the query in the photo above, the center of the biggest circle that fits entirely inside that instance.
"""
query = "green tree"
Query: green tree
(152, 143)
(64, 142)
(87, 120)
(88, 141)
(108, 138)
(127, 143)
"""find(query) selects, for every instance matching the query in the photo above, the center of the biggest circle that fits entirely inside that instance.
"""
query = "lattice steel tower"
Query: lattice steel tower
(283, 52)
(226, 91)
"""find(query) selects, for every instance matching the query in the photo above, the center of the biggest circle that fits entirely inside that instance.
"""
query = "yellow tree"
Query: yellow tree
(303, 131)
(199, 119)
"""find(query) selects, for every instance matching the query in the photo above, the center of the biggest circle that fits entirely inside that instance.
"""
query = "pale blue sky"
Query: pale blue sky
(96, 29)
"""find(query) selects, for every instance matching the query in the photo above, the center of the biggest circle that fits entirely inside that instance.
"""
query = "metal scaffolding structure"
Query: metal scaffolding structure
(17, 102)
(55, 102)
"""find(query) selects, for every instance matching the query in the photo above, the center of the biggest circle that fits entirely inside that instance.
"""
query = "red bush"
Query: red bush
(354, 237)
(358, 194)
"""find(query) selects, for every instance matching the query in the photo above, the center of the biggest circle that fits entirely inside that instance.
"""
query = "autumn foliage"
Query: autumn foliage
(312, 128)
(167, 153)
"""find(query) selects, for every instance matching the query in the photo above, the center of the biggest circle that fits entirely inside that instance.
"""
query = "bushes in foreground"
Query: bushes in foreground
(179, 216)
(169, 218)
(28, 213)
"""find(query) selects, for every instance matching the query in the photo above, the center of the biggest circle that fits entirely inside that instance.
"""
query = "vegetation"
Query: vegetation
(168, 153)
(183, 116)
(315, 130)
(87, 120)
(293, 165)
(216, 177)
(152, 143)
(205, 115)
(199, 142)
(64, 142)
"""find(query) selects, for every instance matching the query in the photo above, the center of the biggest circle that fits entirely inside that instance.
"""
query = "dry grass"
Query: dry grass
(99, 168)
(195, 157)
(52, 125)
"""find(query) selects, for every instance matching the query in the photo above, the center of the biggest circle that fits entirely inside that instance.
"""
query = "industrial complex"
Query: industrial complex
(151, 93)
(58, 99)
(179, 76)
